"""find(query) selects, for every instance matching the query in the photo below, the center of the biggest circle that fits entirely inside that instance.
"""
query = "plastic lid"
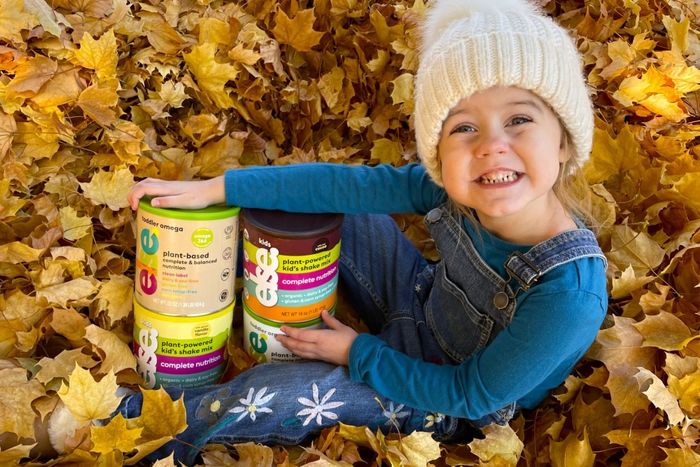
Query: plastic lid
(292, 225)
(206, 214)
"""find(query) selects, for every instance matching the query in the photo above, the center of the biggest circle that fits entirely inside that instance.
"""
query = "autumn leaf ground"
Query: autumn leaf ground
(97, 94)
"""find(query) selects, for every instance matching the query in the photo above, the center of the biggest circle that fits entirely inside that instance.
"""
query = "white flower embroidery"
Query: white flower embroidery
(394, 413)
(433, 419)
(318, 408)
(418, 288)
(251, 406)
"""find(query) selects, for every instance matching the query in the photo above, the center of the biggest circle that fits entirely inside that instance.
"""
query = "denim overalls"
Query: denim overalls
(437, 312)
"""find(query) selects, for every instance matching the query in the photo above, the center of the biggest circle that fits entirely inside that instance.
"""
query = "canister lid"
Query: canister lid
(292, 225)
(205, 214)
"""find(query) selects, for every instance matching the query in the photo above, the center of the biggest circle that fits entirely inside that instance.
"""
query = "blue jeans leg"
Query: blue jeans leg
(378, 267)
(284, 403)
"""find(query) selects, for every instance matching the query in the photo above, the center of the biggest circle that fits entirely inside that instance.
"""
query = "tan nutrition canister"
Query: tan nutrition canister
(185, 259)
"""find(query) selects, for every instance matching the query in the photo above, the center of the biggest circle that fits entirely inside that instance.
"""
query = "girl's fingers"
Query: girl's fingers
(331, 321)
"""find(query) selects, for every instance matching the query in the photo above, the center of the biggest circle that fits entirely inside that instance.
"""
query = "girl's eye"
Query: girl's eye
(519, 120)
(463, 129)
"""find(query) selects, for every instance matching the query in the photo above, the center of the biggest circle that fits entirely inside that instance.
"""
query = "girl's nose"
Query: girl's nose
(491, 143)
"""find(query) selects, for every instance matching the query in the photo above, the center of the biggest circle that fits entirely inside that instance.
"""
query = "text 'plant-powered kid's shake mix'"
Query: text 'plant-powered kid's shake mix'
(290, 274)
(183, 305)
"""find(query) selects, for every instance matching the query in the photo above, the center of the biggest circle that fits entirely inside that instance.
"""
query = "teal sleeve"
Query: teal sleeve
(546, 338)
(320, 187)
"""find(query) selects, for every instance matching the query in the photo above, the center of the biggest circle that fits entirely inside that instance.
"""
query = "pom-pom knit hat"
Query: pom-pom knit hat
(472, 45)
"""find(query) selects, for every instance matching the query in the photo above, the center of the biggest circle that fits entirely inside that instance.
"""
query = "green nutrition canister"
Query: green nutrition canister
(185, 259)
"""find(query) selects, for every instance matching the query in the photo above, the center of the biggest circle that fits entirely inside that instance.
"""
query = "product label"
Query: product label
(185, 266)
(289, 280)
(187, 351)
(259, 340)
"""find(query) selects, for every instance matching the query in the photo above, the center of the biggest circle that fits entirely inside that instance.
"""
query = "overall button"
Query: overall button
(434, 215)
(501, 300)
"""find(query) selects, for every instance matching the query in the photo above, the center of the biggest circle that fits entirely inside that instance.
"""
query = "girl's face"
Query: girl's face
(500, 151)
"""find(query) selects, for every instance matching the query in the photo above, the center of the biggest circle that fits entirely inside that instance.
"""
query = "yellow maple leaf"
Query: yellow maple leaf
(114, 435)
(572, 451)
(243, 55)
(98, 100)
(386, 151)
(31, 143)
(330, 85)
(418, 448)
(160, 415)
(612, 155)
(686, 390)
(211, 75)
(109, 188)
(63, 88)
(680, 456)
(677, 33)
(357, 117)
(13, 19)
(87, 399)
(215, 31)
(74, 226)
(99, 55)
(31, 75)
(298, 32)
(499, 442)
(16, 396)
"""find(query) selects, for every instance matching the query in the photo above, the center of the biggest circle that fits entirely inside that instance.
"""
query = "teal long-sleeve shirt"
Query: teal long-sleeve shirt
(554, 324)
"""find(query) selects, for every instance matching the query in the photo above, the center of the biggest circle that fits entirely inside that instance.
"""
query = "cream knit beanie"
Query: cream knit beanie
(472, 45)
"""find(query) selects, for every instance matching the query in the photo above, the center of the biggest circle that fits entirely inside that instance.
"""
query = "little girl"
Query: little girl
(503, 121)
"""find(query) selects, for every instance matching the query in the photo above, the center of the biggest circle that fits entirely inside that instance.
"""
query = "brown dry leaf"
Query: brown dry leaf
(660, 396)
(31, 75)
(16, 396)
(72, 291)
(664, 331)
(87, 399)
(680, 456)
(116, 355)
(13, 455)
(74, 226)
(253, 455)
(62, 365)
(297, 31)
(115, 297)
(98, 102)
(14, 18)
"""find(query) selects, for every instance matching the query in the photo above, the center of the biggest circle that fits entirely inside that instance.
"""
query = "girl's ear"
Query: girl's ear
(564, 146)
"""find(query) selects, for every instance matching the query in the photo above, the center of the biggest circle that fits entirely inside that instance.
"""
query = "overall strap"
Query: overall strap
(567, 246)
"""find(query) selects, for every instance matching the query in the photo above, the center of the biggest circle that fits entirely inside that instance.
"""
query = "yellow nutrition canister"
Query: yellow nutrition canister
(184, 351)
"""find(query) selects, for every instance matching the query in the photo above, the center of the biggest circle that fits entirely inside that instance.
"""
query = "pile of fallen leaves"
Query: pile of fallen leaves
(95, 94)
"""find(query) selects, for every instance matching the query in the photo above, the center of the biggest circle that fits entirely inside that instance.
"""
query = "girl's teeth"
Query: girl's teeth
(501, 177)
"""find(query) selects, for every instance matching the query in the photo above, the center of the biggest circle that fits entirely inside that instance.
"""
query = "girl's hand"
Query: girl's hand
(178, 194)
(331, 345)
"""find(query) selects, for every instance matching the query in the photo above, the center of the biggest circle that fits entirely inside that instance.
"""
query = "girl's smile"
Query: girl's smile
(500, 152)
